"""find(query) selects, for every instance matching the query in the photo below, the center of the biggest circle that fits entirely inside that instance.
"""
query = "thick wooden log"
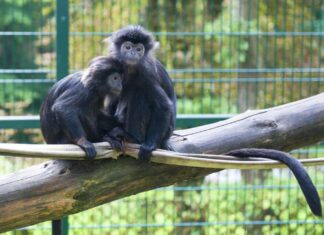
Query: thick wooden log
(57, 188)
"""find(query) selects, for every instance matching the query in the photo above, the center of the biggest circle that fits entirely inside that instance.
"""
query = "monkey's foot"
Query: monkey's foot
(120, 133)
(88, 148)
(145, 153)
(114, 143)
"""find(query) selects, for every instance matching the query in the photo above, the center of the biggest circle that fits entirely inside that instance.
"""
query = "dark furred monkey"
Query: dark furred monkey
(147, 104)
(72, 109)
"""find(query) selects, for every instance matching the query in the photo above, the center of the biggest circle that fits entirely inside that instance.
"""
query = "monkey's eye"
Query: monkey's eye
(138, 49)
(115, 78)
(128, 47)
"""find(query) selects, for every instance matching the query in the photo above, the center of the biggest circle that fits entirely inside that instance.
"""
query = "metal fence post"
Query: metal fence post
(62, 69)
(62, 38)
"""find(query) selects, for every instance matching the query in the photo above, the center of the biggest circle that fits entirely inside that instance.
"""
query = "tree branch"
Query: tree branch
(56, 188)
(104, 151)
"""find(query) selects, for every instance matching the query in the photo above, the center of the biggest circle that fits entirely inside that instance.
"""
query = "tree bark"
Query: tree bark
(57, 188)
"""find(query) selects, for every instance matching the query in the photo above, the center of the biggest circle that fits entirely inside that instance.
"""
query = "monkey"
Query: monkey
(304, 180)
(147, 104)
(73, 107)
(72, 111)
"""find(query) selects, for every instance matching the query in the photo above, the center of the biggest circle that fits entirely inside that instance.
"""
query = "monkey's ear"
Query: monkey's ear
(156, 45)
(107, 40)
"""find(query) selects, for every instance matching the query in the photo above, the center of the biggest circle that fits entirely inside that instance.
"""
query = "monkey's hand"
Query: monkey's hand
(120, 133)
(114, 142)
(145, 152)
(88, 148)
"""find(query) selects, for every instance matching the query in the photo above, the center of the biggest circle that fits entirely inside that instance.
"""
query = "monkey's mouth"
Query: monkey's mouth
(131, 61)
(115, 92)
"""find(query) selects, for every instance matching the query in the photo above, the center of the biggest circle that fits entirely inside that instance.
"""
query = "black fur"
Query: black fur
(135, 34)
(72, 108)
(294, 165)
(147, 104)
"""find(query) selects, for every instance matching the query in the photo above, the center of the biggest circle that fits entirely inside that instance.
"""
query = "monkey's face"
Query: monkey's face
(114, 83)
(132, 53)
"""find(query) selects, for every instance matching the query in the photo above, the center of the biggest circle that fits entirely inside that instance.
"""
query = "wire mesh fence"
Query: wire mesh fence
(225, 57)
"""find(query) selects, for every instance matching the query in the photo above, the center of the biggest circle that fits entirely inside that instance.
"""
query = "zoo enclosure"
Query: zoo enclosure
(224, 57)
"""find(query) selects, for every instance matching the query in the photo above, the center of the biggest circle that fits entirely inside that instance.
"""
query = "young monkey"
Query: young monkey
(72, 110)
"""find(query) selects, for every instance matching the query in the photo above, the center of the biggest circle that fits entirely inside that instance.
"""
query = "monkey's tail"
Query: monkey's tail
(295, 166)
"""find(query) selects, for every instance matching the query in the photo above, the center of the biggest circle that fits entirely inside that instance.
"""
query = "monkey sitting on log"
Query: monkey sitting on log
(72, 110)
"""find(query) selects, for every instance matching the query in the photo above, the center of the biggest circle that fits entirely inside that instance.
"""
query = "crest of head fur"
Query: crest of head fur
(134, 34)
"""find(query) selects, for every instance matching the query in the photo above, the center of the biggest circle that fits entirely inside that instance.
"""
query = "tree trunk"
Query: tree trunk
(57, 188)
(247, 92)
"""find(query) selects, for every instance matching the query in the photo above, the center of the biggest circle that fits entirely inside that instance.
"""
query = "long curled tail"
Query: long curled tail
(294, 165)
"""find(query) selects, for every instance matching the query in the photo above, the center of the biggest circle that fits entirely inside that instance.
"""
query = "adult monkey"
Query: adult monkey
(147, 105)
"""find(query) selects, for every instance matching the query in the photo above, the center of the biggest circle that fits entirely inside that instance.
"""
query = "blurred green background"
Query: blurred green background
(225, 56)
